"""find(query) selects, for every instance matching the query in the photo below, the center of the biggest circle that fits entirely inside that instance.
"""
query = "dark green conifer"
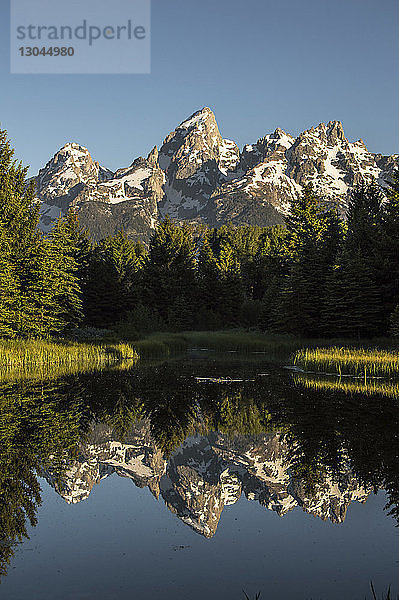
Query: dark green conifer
(8, 287)
(388, 274)
(313, 235)
(169, 273)
(353, 307)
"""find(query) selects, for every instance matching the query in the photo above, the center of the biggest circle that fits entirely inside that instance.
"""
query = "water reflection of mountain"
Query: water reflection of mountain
(275, 439)
(207, 473)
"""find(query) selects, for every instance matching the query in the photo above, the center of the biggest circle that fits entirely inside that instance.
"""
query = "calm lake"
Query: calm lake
(198, 478)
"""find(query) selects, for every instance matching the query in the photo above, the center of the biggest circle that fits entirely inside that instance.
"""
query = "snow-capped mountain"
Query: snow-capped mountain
(196, 160)
(205, 474)
(105, 201)
(199, 176)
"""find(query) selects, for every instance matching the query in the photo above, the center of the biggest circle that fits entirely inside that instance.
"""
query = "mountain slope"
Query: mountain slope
(105, 201)
(200, 177)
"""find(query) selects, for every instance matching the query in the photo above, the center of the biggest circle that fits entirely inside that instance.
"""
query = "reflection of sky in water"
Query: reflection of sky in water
(122, 543)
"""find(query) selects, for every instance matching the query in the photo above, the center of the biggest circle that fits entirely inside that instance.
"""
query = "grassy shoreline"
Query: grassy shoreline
(316, 355)
(356, 362)
(48, 354)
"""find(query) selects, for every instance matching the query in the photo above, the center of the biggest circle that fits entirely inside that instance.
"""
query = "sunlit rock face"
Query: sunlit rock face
(196, 161)
(205, 474)
(137, 458)
(199, 176)
(104, 201)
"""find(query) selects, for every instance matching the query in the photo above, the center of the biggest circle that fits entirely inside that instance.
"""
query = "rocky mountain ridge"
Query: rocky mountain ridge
(205, 474)
(200, 177)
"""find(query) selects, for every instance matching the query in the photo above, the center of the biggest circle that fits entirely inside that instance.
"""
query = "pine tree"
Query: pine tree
(125, 255)
(354, 305)
(221, 290)
(19, 218)
(67, 246)
(388, 277)
(313, 241)
(8, 287)
(169, 273)
(270, 270)
(19, 213)
(39, 312)
(111, 280)
(208, 275)
(244, 242)
(102, 303)
(231, 293)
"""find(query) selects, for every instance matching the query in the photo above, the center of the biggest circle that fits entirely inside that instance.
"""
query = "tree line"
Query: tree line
(318, 275)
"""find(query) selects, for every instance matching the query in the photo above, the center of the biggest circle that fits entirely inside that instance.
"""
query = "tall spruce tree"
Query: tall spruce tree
(112, 280)
(8, 287)
(19, 213)
(231, 292)
(270, 270)
(244, 241)
(19, 218)
(221, 256)
(38, 278)
(313, 240)
(42, 290)
(388, 275)
(208, 282)
(353, 307)
(169, 274)
(66, 244)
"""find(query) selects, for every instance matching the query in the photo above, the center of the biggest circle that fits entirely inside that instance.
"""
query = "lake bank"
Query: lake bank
(373, 358)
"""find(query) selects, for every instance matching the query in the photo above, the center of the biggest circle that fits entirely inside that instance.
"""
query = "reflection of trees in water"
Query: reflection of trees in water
(332, 429)
(327, 429)
(36, 426)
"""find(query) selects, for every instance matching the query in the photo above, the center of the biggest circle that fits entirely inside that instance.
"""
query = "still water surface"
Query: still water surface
(147, 483)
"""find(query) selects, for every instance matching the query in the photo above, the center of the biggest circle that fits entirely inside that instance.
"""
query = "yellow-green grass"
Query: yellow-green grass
(358, 362)
(53, 358)
(48, 355)
(372, 387)
(56, 371)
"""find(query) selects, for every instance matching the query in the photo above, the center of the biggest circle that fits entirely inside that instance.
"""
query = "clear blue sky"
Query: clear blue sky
(258, 64)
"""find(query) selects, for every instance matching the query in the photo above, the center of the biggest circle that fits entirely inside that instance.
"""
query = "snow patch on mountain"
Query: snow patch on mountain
(201, 177)
(206, 474)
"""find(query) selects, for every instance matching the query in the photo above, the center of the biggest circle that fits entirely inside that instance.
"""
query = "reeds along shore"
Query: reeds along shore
(309, 355)
(45, 358)
(47, 355)
(357, 362)
(25, 354)
(372, 387)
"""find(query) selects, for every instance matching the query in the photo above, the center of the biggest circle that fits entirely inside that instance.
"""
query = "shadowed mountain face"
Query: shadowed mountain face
(198, 176)
(207, 473)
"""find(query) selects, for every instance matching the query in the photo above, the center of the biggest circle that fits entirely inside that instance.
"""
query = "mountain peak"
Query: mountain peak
(195, 140)
(335, 131)
(198, 119)
(73, 149)
(198, 176)
(73, 146)
(71, 155)
(153, 156)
